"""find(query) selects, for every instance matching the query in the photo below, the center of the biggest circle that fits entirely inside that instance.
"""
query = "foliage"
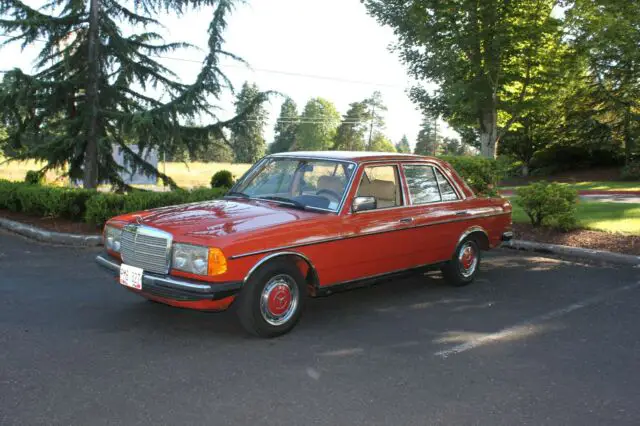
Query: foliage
(351, 132)
(103, 206)
(631, 171)
(428, 140)
(403, 146)
(549, 204)
(44, 200)
(381, 143)
(247, 137)
(484, 55)
(222, 179)
(92, 89)
(374, 116)
(607, 33)
(318, 125)
(481, 174)
(286, 127)
(34, 177)
(9, 195)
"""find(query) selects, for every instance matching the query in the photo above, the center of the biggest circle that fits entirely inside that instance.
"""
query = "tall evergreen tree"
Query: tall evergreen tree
(247, 135)
(403, 146)
(427, 142)
(92, 86)
(318, 125)
(286, 127)
(354, 126)
(376, 121)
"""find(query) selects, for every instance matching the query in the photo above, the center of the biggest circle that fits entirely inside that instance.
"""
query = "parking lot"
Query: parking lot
(533, 341)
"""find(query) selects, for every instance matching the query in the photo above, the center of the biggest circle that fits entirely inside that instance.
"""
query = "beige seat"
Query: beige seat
(384, 192)
(331, 183)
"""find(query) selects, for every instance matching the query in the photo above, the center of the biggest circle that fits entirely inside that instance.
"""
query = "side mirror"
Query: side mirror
(361, 204)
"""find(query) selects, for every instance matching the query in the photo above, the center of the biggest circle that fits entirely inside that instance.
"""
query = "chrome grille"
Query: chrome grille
(147, 248)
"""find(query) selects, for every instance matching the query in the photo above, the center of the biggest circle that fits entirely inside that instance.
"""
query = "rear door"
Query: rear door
(437, 212)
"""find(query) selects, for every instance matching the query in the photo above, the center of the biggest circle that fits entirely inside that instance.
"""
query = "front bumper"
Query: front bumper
(507, 236)
(173, 288)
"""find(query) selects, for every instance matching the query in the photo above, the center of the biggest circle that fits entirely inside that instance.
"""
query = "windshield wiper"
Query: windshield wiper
(286, 200)
(236, 194)
(292, 203)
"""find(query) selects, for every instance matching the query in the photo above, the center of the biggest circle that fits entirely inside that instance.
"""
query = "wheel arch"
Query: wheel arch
(299, 259)
(479, 234)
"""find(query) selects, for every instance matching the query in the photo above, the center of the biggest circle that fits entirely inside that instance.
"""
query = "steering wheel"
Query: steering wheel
(330, 193)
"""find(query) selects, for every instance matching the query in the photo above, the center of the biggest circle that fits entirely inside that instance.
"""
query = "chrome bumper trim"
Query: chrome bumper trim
(169, 287)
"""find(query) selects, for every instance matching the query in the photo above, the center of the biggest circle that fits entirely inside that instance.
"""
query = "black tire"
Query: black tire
(264, 296)
(459, 271)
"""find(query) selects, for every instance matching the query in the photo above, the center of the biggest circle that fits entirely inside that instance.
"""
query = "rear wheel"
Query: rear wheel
(271, 301)
(464, 264)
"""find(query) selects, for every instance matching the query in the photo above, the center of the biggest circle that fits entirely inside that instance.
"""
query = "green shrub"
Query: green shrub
(222, 179)
(9, 195)
(549, 204)
(50, 201)
(34, 177)
(631, 171)
(481, 174)
(103, 206)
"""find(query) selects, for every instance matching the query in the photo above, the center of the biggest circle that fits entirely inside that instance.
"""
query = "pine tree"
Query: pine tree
(376, 122)
(403, 145)
(247, 137)
(286, 127)
(91, 88)
(427, 142)
(354, 126)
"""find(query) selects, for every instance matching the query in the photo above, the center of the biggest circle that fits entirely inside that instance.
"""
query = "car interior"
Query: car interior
(382, 184)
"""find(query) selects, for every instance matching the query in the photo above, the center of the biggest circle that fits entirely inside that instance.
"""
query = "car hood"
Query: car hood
(218, 218)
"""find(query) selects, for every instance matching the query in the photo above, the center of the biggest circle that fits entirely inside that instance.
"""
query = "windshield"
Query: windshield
(314, 184)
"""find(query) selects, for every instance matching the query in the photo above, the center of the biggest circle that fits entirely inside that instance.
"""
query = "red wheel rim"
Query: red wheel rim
(279, 300)
(468, 259)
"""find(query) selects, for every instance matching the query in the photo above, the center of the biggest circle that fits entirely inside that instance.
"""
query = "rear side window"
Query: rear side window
(446, 189)
(422, 184)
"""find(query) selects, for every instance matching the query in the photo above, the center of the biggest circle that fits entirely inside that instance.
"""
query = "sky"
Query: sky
(300, 48)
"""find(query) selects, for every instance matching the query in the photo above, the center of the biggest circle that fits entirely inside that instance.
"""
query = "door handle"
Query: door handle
(406, 220)
(462, 213)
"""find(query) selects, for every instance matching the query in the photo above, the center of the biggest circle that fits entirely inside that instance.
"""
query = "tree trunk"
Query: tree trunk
(489, 134)
(525, 170)
(91, 149)
(628, 137)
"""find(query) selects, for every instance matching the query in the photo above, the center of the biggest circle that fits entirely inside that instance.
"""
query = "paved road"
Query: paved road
(534, 341)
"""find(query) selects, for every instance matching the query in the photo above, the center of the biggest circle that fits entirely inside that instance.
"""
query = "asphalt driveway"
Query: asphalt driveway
(534, 341)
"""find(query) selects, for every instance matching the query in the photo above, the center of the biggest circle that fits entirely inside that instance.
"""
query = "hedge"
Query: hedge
(91, 206)
(481, 174)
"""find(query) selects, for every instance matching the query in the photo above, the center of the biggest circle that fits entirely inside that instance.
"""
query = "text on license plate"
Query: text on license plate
(131, 276)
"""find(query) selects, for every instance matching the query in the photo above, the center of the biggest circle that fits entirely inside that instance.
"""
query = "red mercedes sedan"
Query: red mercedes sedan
(306, 224)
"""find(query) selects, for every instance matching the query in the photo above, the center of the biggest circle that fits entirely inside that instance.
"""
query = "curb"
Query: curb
(574, 252)
(50, 236)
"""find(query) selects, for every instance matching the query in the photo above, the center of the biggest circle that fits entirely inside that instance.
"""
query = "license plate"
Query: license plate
(131, 276)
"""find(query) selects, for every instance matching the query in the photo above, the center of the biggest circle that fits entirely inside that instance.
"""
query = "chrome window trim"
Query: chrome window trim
(398, 176)
(295, 157)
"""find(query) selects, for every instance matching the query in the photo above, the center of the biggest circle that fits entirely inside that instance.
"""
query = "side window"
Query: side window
(422, 184)
(382, 183)
(446, 189)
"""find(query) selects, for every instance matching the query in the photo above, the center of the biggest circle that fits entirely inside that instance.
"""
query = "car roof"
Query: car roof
(357, 156)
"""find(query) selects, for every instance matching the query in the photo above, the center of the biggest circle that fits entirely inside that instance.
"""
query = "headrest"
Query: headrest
(383, 189)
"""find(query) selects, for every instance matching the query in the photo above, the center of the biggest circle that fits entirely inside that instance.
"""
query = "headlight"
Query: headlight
(112, 238)
(198, 260)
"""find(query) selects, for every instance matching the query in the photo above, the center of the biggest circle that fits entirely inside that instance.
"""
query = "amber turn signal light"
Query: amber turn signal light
(217, 262)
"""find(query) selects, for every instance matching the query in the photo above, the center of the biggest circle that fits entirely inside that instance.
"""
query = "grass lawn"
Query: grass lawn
(596, 185)
(188, 175)
(608, 217)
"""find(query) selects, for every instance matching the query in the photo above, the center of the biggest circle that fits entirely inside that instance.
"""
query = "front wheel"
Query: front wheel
(271, 301)
(464, 264)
